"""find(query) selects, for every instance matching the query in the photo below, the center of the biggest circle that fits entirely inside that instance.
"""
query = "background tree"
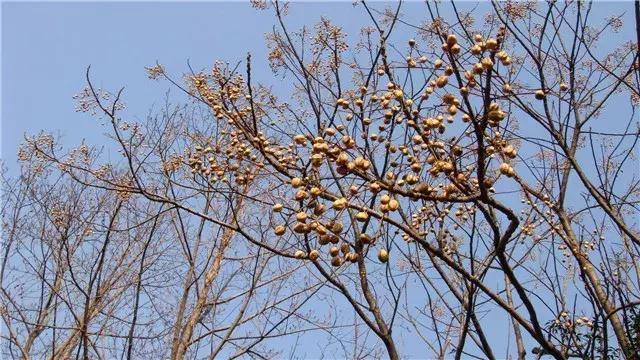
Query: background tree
(434, 176)
(92, 269)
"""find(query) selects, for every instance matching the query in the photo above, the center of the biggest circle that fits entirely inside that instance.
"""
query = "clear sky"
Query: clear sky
(46, 48)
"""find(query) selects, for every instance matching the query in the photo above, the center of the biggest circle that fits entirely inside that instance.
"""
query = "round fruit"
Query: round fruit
(280, 230)
(336, 261)
(334, 251)
(340, 203)
(296, 182)
(383, 255)
(362, 216)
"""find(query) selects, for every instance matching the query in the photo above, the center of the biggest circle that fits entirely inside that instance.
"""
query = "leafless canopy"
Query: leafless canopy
(462, 186)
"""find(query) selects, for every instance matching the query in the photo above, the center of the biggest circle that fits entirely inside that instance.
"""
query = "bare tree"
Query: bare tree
(438, 177)
(92, 269)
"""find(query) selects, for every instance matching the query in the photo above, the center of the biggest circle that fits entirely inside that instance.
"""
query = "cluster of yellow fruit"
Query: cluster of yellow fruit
(420, 156)
(509, 152)
(451, 45)
(313, 255)
(347, 255)
(387, 204)
(507, 170)
(528, 228)
(328, 232)
(206, 160)
(463, 212)
(342, 103)
(495, 114)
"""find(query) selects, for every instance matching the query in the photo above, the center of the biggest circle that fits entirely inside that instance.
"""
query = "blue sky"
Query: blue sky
(46, 48)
